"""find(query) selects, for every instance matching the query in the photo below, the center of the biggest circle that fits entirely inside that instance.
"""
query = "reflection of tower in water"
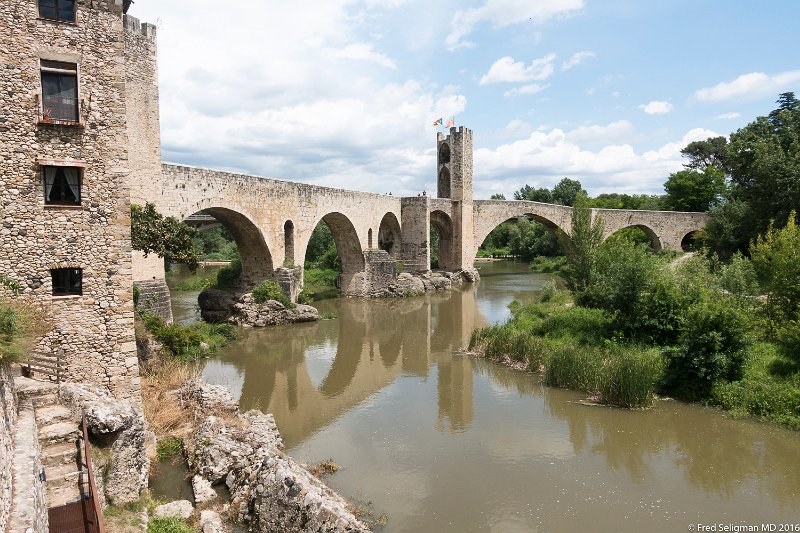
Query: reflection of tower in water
(455, 394)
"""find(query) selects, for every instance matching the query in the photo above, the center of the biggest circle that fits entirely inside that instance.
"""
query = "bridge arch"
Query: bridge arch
(254, 253)
(443, 225)
(389, 234)
(655, 241)
(348, 245)
(485, 229)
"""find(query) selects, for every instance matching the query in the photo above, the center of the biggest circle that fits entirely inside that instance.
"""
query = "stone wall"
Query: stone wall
(95, 329)
(8, 421)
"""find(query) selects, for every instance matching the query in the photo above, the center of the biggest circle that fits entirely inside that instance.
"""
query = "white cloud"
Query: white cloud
(728, 116)
(656, 107)
(361, 52)
(546, 157)
(621, 130)
(502, 13)
(749, 86)
(576, 59)
(533, 88)
(506, 69)
(299, 101)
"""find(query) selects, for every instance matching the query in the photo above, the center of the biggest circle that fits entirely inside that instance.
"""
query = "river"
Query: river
(443, 442)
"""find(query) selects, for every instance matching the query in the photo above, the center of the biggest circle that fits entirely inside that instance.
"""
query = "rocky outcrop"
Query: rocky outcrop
(120, 428)
(208, 397)
(128, 472)
(180, 508)
(211, 522)
(241, 309)
(406, 284)
(104, 413)
(269, 491)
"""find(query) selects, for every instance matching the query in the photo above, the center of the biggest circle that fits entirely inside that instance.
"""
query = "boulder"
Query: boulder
(268, 490)
(210, 522)
(203, 491)
(127, 474)
(216, 305)
(208, 397)
(242, 309)
(104, 413)
(180, 508)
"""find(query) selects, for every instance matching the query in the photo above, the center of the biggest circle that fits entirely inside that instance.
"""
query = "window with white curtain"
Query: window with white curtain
(62, 185)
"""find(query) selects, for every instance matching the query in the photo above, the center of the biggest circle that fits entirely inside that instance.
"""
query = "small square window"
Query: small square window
(67, 281)
(63, 10)
(62, 185)
(59, 92)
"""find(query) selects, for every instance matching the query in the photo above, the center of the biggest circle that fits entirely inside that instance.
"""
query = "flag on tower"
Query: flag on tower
(438, 122)
(451, 122)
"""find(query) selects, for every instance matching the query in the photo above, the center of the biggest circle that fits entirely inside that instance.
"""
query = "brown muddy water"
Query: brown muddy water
(441, 442)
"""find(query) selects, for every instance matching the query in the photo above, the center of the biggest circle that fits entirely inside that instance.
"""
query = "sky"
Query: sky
(344, 93)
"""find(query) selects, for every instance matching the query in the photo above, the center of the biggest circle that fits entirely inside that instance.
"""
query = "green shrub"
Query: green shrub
(779, 402)
(630, 378)
(711, 349)
(185, 342)
(580, 323)
(168, 524)
(320, 278)
(230, 275)
(739, 276)
(305, 297)
(775, 257)
(549, 265)
(574, 367)
(137, 293)
(168, 447)
(271, 290)
(194, 283)
(547, 291)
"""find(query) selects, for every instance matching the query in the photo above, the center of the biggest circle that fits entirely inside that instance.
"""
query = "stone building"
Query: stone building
(77, 84)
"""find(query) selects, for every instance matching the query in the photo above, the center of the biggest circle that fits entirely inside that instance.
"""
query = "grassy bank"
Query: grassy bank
(637, 324)
(569, 346)
(575, 347)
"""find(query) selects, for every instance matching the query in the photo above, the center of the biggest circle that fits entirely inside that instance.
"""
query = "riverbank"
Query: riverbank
(569, 347)
(265, 489)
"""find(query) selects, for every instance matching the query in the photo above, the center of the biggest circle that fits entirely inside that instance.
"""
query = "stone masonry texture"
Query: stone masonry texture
(95, 329)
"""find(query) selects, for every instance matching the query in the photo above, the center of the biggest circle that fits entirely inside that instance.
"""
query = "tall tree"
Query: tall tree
(566, 191)
(581, 247)
(497, 196)
(690, 190)
(703, 154)
(534, 195)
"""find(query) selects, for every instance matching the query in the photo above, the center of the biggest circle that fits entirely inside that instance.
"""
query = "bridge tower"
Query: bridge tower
(454, 181)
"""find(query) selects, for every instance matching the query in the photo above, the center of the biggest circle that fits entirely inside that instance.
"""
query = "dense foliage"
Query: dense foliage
(271, 290)
(762, 164)
(215, 244)
(167, 237)
(187, 342)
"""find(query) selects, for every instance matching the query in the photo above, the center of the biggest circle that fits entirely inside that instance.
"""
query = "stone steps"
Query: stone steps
(58, 432)
(61, 453)
(51, 414)
(62, 493)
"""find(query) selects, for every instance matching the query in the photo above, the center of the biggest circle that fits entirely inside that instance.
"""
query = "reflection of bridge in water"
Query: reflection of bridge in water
(308, 375)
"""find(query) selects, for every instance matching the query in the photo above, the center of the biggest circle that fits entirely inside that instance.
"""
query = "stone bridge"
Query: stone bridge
(272, 220)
